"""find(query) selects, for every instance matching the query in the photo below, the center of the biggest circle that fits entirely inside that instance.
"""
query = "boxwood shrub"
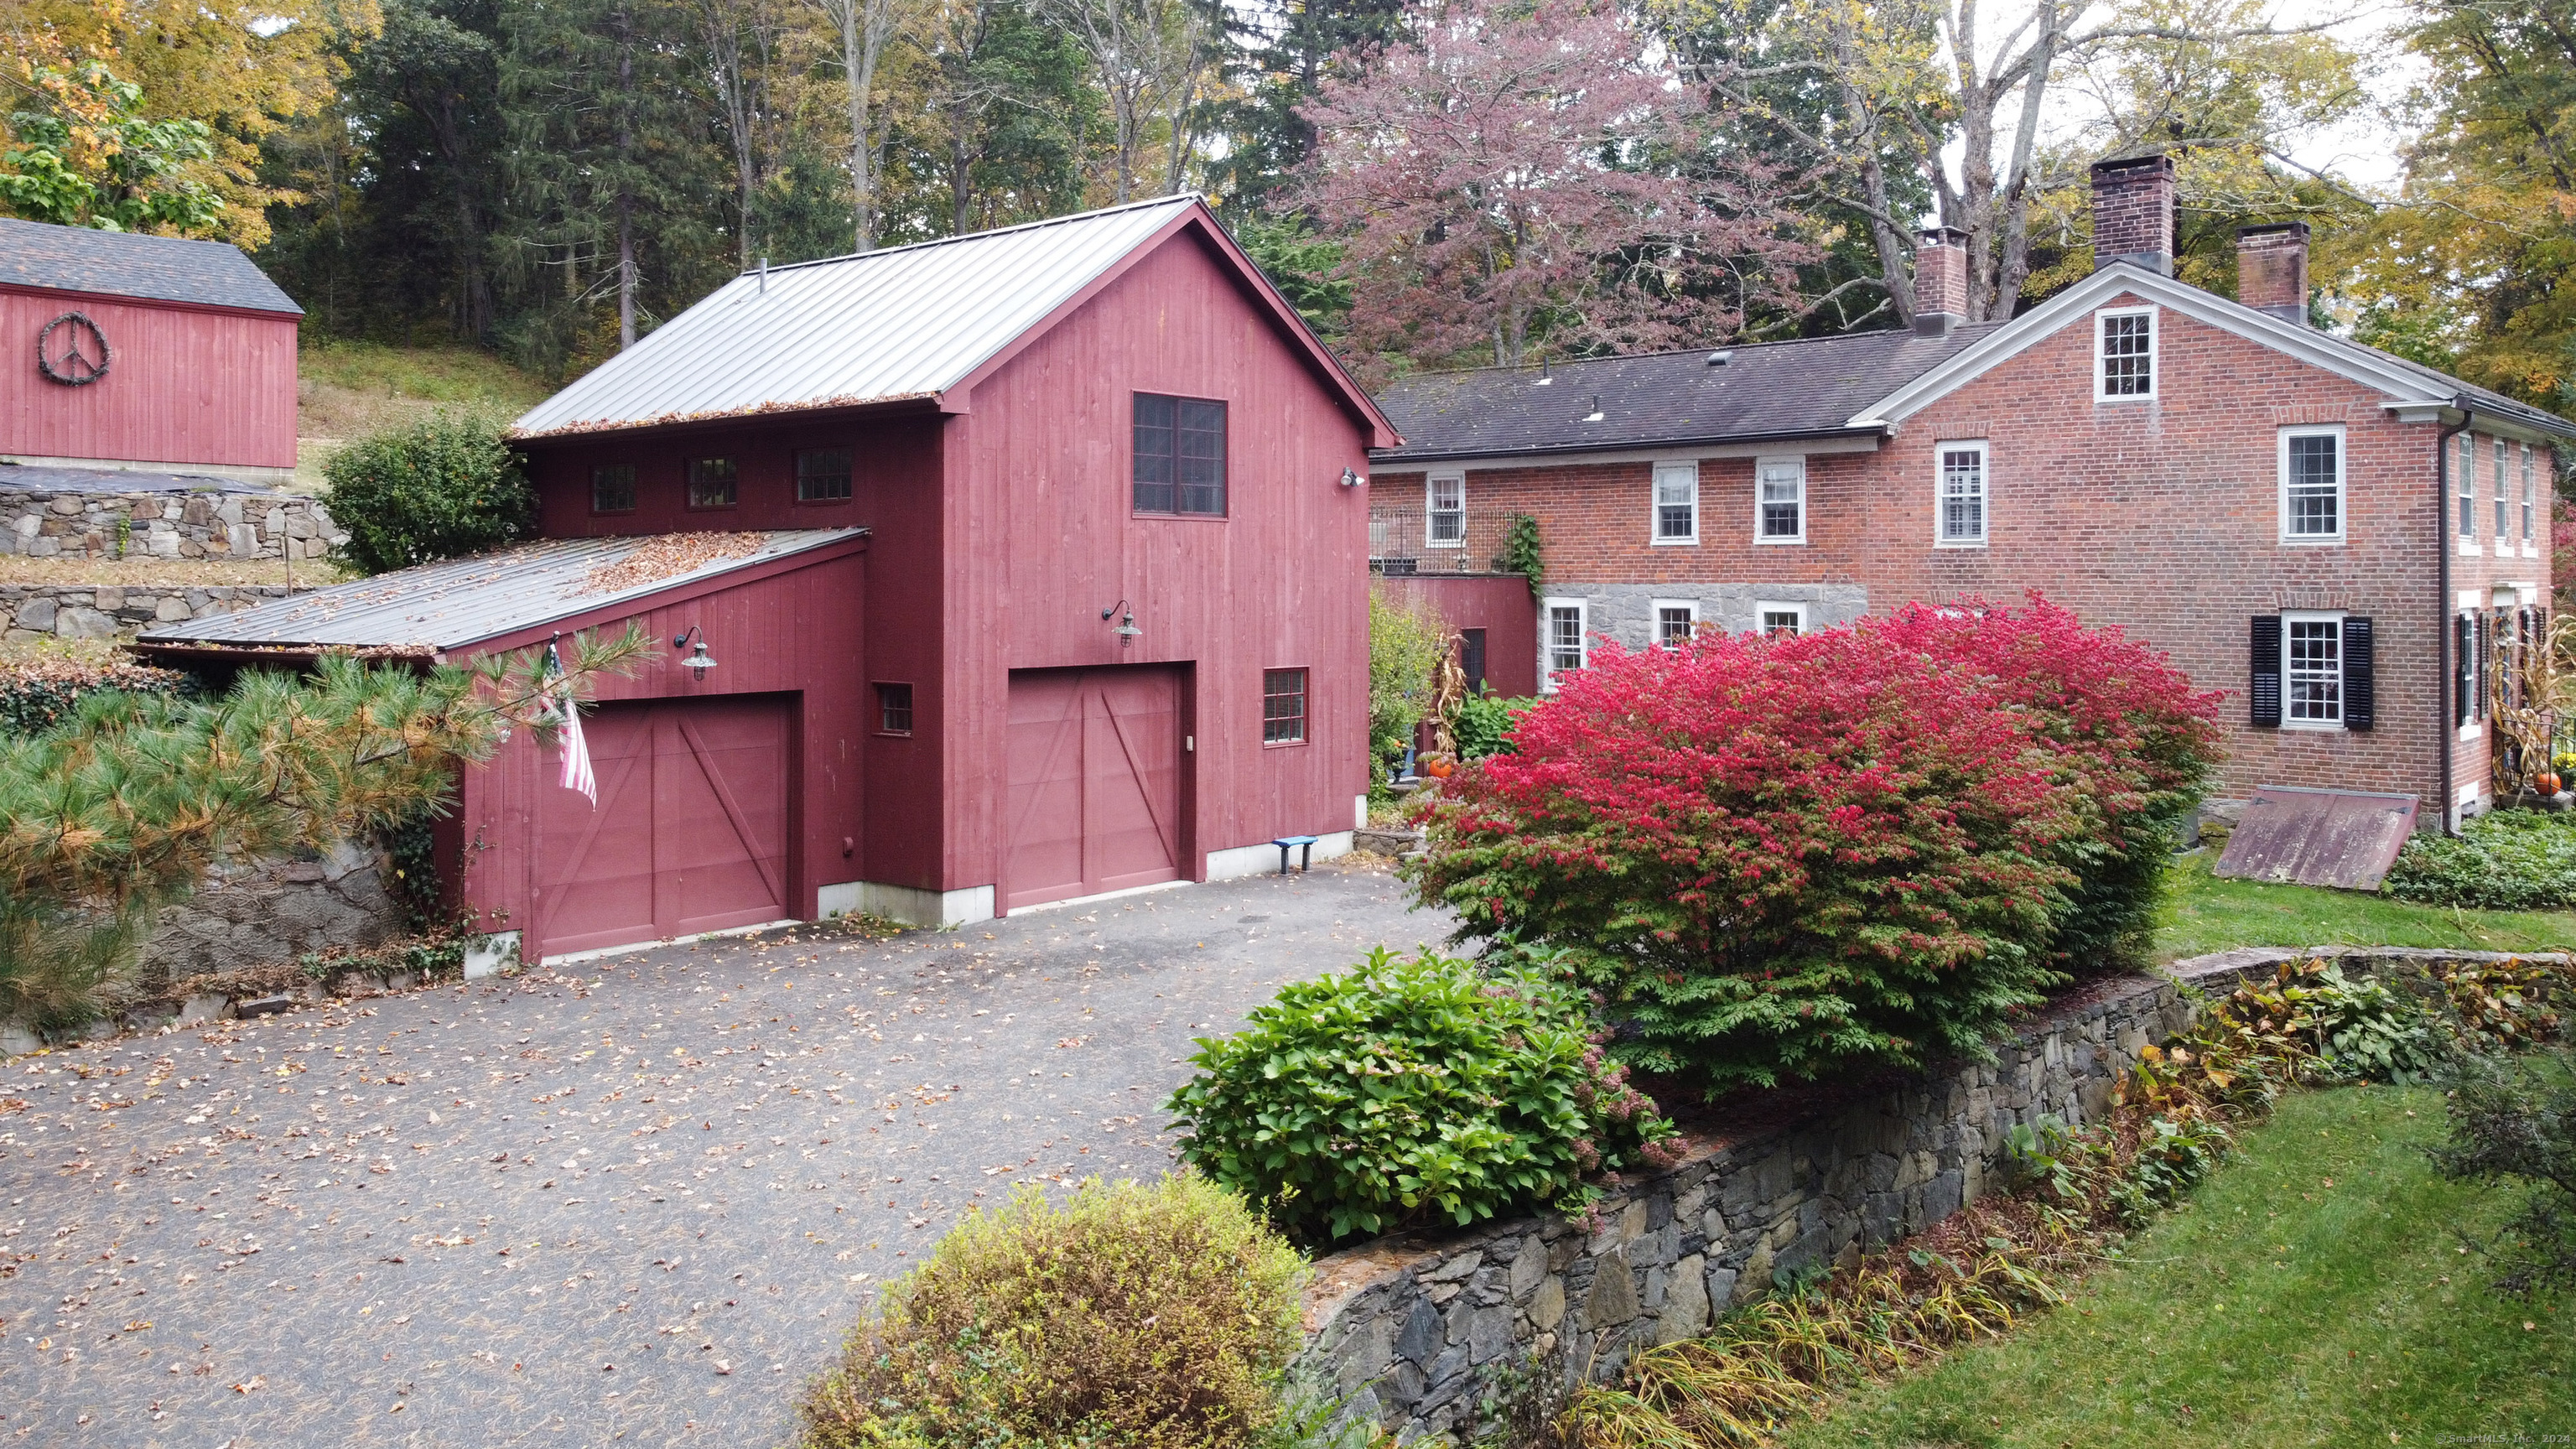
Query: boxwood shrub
(1408, 1091)
(1160, 1316)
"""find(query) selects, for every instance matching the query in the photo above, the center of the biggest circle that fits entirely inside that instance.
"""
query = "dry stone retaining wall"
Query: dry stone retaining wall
(273, 911)
(218, 525)
(1410, 1330)
(106, 611)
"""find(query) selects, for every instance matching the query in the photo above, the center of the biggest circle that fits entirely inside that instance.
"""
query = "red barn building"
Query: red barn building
(144, 352)
(1026, 562)
(2354, 547)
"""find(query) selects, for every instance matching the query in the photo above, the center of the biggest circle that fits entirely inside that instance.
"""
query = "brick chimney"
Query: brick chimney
(2272, 269)
(1940, 281)
(2133, 213)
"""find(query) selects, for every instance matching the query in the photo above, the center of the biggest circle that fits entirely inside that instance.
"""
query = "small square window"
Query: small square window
(1676, 620)
(1283, 706)
(2127, 350)
(1448, 513)
(823, 475)
(1180, 455)
(1959, 507)
(1780, 618)
(711, 483)
(612, 488)
(2312, 485)
(1676, 503)
(894, 709)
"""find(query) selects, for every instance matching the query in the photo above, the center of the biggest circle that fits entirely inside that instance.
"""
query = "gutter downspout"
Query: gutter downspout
(2448, 734)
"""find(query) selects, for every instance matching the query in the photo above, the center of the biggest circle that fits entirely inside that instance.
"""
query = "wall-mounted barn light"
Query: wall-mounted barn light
(1351, 478)
(698, 663)
(1126, 631)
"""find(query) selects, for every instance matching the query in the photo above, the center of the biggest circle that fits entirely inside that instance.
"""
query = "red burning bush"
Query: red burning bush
(1791, 857)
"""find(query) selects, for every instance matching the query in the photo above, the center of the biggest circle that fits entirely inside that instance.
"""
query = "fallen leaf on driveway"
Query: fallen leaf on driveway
(257, 1381)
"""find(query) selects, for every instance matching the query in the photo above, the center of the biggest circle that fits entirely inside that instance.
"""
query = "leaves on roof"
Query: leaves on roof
(666, 556)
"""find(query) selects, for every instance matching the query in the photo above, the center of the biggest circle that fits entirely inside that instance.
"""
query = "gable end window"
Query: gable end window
(1780, 500)
(1676, 503)
(2312, 671)
(1959, 499)
(1283, 706)
(2312, 485)
(1446, 511)
(712, 483)
(2124, 349)
(1180, 455)
(823, 475)
(612, 488)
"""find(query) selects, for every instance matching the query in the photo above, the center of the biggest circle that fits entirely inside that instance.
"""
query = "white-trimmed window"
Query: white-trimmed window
(2503, 503)
(1561, 651)
(2312, 671)
(2312, 485)
(1959, 494)
(1676, 620)
(2527, 550)
(1677, 503)
(1444, 511)
(2465, 487)
(1780, 500)
(1780, 618)
(2124, 354)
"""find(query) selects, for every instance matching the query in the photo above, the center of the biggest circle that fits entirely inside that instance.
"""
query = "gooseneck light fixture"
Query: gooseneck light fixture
(1126, 631)
(698, 663)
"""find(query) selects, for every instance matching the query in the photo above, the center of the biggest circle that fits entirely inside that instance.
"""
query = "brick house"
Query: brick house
(2340, 539)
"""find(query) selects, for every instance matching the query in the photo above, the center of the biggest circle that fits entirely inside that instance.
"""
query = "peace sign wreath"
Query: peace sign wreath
(83, 357)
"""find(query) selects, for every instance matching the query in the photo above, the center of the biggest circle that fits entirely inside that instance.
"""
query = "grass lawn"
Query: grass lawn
(2312, 1293)
(2202, 913)
(351, 389)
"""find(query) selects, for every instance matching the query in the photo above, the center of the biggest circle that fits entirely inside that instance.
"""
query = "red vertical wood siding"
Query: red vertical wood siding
(1502, 607)
(1042, 537)
(794, 634)
(187, 385)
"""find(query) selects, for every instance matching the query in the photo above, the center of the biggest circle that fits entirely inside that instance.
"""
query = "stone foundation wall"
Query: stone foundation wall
(273, 912)
(165, 525)
(101, 611)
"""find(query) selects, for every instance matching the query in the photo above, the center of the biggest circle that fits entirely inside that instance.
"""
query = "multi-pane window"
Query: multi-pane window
(1780, 618)
(1283, 706)
(823, 475)
(2312, 485)
(1780, 486)
(2312, 682)
(2467, 488)
(712, 483)
(1180, 455)
(1448, 513)
(1676, 503)
(2526, 495)
(612, 488)
(894, 709)
(1675, 622)
(1960, 506)
(2503, 506)
(2128, 351)
(1563, 652)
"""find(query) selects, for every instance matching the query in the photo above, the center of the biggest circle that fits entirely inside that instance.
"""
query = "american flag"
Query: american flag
(576, 750)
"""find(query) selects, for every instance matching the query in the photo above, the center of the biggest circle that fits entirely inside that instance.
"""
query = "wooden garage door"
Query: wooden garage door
(690, 833)
(1095, 798)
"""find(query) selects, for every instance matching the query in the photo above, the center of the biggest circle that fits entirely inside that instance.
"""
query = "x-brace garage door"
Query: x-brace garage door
(690, 833)
(1095, 798)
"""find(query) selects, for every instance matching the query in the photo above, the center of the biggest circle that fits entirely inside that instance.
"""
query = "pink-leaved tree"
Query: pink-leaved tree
(1524, 176)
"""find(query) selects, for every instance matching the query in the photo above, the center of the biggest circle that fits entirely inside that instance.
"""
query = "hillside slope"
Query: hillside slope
(347, 390)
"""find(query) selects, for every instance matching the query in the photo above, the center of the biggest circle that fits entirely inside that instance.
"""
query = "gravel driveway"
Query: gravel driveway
(638, 1199)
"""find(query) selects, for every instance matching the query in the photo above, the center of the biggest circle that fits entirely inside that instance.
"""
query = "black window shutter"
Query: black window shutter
(2357, 675)
(2463, 667)
(2486, 656)
(2266, 690)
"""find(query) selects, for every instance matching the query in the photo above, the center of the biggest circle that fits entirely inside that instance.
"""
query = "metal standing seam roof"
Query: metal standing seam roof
(910, 321)
(1767, 390)
(443, 606)
(129, 264)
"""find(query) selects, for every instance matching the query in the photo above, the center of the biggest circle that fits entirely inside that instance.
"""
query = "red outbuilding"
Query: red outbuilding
(134, 351)
(1016, 568)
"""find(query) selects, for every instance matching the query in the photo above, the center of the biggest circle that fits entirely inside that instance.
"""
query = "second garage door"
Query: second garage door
(690, 833)
(1095, 797)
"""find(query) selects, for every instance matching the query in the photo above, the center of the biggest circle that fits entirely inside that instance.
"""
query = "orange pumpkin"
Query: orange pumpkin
(2546, 784)
(1439, 768)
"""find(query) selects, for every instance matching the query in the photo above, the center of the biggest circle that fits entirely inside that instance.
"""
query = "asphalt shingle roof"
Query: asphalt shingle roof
(125, 264)
(1770, 390)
